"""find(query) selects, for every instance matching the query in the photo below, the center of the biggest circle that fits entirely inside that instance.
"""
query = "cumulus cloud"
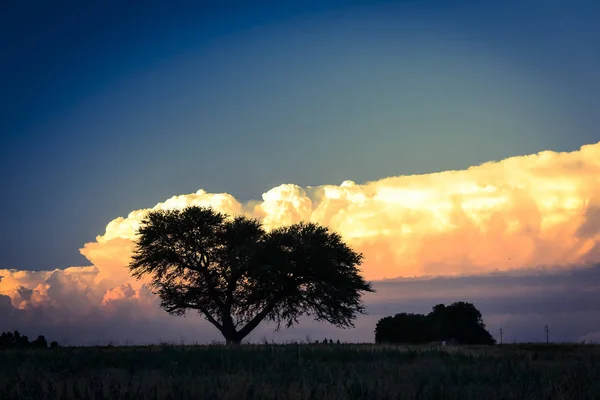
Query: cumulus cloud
(506, 216)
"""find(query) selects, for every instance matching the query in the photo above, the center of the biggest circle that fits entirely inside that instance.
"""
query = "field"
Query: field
(296, 371)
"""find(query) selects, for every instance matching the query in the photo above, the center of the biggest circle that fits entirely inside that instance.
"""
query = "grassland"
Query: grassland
(293, 371)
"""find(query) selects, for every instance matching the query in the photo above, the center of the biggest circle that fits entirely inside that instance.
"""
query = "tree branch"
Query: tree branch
(202, 263)
(212, 290)
(204, 311)
(202, 268)
(231, 283)
(258, 318)
(210, 318)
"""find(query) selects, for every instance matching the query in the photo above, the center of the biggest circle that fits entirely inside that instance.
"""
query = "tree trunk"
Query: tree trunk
(232, 338)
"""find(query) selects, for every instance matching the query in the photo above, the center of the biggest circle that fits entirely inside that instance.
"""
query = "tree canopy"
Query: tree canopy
(459, 321)
(236, 274)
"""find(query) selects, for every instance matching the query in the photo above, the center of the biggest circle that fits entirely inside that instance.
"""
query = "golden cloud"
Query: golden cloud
(540, 209)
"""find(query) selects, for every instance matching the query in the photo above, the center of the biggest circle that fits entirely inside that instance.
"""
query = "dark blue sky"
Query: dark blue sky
(112, 106)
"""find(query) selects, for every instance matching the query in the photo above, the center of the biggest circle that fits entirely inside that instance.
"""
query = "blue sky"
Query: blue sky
(111, 107)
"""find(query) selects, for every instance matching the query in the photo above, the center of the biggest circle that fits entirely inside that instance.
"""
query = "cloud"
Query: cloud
(519, 303)
(499, 218)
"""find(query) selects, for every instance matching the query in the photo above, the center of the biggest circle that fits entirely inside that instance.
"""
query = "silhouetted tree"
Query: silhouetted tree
(40, 342)
(13, 339)
(403, 328)
(236, 274)
(54, 344)
(7, 340)
(16, 340)
(23, 341)
(460, 322)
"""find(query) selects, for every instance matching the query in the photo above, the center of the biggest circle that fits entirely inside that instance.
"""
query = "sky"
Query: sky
(455, 144)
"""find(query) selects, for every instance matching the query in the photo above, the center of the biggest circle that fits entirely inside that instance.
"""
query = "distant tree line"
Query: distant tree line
(14, 340)
(459, 322)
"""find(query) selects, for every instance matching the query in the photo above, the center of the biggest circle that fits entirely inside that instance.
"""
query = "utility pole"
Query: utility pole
(501, 332)
(546, 330)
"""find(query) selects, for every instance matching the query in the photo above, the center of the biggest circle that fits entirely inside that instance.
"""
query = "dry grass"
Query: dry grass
(295, 371)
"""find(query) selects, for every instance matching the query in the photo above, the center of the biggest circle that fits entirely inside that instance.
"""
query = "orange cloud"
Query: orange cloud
(541, 209)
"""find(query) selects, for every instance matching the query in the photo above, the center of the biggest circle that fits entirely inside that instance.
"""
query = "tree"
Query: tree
(235, 274)
(13, 339)
(459, 321)
(7, 339)
(403, 328)
(462, 322)
(16, 340)
(40, 342)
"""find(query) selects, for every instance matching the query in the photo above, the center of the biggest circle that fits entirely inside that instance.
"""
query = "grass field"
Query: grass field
(302, 372)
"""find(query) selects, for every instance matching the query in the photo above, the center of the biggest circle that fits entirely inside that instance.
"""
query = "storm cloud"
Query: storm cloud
(520, 238)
